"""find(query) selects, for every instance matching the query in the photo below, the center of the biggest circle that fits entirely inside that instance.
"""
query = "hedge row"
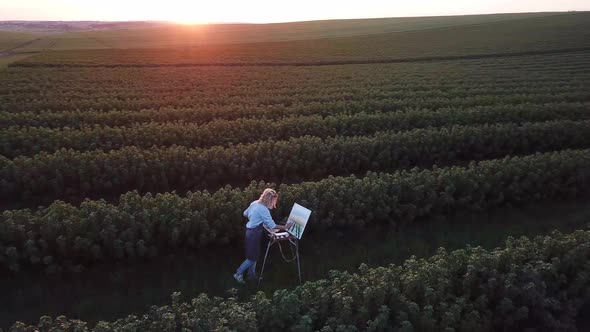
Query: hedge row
(76, 113)
(73, 175)
(15, 141)
(535, 284)
(61, 89)
(81, 118)
(139, 227)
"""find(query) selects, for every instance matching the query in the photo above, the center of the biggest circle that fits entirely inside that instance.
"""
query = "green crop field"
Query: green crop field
(168, 35)
(131, 151)
(10, 40)
(529, 35)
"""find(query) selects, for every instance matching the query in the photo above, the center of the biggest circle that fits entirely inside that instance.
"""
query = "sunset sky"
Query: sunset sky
(264, 11)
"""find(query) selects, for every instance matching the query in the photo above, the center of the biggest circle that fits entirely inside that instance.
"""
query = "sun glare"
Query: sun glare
(185, 12)
(200, 12)
(190, 22)
(191, 12)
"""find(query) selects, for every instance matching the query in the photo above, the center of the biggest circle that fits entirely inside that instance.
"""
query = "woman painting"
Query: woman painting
(258, 214)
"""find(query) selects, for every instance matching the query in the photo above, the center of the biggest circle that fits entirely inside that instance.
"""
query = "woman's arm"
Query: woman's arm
(269, 222)
(284, 227)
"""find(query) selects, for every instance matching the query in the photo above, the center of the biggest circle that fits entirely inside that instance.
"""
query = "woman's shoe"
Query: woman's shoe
(239, 278)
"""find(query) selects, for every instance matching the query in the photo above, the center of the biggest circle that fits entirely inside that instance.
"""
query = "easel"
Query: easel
(275, 238)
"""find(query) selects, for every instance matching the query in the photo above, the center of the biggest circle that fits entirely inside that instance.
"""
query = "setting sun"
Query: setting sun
(190, 22)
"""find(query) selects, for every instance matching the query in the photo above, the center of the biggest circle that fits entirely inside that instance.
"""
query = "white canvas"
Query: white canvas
(299, 216)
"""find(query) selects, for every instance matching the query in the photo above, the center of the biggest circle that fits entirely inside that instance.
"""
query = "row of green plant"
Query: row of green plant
(145, 88)
(222, 105)
(15, 141)
(221, 92)
(139, 227)
(536, 284)
(73, 175)
(302, 62)
(88, 117)
(428, 79)
(417, 80)
(281, 95)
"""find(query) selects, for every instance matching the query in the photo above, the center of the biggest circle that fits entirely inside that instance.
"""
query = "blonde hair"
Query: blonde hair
(269, 198)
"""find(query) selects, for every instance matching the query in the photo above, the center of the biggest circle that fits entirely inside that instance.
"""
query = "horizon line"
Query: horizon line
(280, 22)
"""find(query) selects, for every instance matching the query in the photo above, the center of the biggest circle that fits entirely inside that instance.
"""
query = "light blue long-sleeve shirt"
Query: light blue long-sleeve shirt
(257, 213)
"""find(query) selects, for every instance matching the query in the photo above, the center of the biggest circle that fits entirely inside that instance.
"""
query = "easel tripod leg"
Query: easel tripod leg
(264, 261)
(298, 265)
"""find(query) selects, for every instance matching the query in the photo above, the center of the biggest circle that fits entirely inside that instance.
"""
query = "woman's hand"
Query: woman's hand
(284, 227)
